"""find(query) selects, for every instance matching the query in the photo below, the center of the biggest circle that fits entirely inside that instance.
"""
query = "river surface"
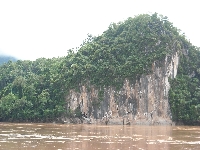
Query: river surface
(99, 137)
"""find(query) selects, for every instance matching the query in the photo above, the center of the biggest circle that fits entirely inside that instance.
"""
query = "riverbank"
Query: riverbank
(116, 121)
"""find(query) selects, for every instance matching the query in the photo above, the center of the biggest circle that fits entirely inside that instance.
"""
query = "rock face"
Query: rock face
(144, 101)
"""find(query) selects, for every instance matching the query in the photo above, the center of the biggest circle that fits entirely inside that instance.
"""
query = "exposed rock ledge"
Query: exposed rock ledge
(144, 101)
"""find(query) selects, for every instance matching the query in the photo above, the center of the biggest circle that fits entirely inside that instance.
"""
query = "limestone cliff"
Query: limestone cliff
(144, 101)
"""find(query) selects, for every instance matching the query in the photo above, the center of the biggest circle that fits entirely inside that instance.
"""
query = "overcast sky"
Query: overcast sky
(30, 29)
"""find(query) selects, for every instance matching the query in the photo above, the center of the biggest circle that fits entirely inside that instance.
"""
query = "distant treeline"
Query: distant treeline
(5, 59)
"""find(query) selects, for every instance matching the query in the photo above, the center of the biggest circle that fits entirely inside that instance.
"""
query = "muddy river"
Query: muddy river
(99, 137)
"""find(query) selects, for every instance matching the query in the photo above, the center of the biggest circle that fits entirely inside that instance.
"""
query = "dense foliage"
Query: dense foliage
(31, 91)
(185, 88)
(36, 91)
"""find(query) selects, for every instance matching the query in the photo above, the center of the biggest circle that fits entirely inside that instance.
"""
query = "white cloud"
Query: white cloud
(47, 28)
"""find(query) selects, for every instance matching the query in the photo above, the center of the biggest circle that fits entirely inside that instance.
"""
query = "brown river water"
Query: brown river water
(97, 137)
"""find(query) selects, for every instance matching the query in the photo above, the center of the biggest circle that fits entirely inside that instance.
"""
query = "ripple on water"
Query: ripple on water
(19, 127)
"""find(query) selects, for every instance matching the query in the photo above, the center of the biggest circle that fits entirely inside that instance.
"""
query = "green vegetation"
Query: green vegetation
(185, 88)
(36, 91)
(31, 91)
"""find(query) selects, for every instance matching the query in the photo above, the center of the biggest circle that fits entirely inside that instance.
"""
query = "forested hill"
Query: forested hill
(36, 90)
(5, 59)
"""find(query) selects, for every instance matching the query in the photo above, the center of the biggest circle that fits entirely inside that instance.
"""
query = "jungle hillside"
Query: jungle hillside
(35, 91)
